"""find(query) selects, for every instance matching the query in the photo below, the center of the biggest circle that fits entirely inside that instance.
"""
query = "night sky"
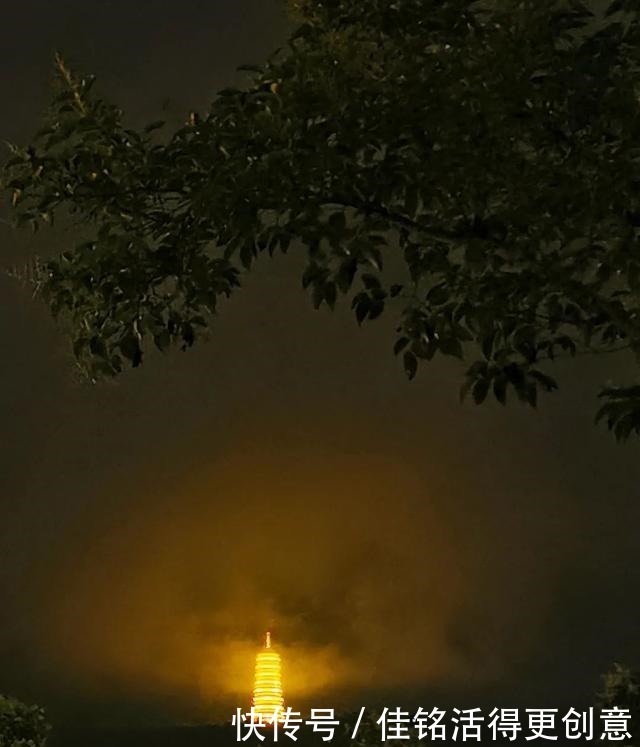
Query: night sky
(286, 474)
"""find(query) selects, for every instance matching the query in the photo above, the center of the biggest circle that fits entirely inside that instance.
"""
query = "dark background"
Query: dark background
(403, 547)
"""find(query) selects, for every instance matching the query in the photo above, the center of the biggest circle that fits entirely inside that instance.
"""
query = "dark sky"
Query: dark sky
(285, 474)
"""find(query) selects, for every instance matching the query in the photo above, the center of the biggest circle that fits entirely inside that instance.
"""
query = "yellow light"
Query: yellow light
(267, 691)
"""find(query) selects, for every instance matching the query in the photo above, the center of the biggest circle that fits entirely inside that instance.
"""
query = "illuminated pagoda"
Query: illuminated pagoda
(267, 689)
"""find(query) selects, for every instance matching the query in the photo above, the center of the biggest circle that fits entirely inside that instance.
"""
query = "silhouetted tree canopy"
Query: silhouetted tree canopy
(473, 169)
(621, 689)
(21, 725)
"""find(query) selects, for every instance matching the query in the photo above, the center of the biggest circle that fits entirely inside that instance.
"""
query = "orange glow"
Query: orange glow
(267, 690)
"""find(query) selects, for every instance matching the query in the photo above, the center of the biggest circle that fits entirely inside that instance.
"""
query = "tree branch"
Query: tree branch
(369, 208)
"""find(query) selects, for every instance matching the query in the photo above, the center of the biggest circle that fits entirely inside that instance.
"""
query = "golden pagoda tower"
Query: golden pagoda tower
(267, 689)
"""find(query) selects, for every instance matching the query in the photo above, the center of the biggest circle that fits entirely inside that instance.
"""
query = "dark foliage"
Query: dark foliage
(473, 166)
(21, 725)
